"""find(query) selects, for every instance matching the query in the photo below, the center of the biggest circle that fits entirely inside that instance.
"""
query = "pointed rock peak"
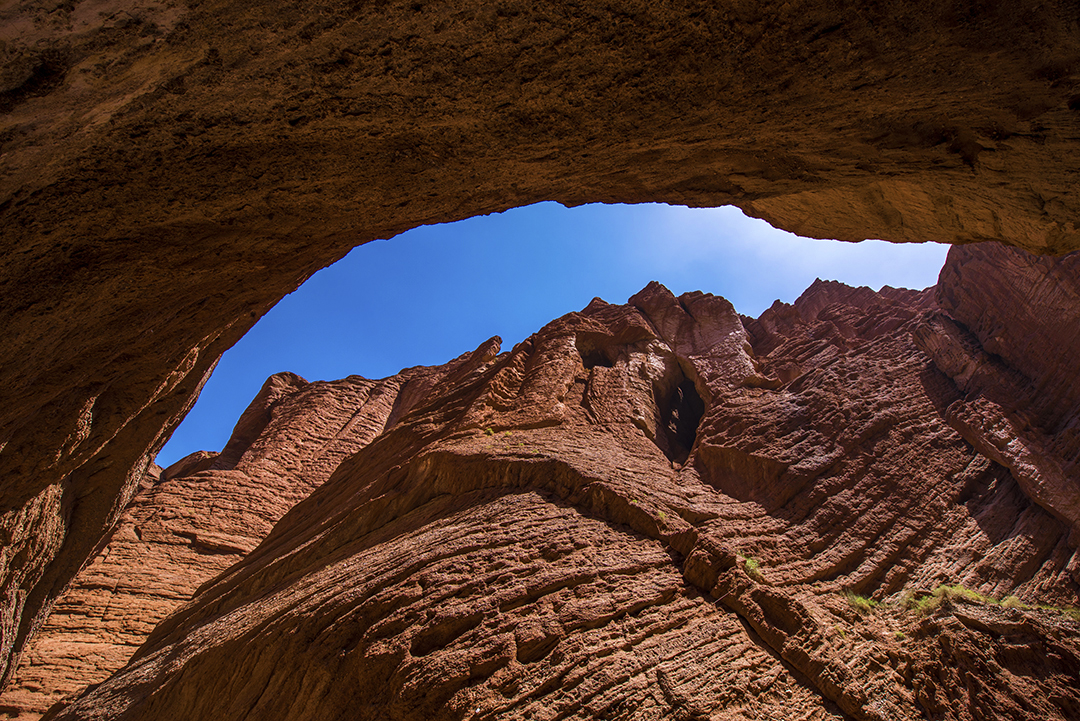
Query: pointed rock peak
(483, 353)
(596, 304)
(656, 300)
(820, 287)
(256, 416)
(696, 303)
(702, 328)
(823, 293)
(691, 295)
(652, 295)
(660, 306)
(466, 363)
(284, 379)
(777, 315)
(925, 299)
(487, 350)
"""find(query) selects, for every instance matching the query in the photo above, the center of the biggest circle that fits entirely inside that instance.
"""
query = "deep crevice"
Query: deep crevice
(596, 358)
(682, 413)
(47, 74)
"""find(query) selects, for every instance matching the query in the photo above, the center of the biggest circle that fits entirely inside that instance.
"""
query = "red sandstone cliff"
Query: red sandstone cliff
(654, 510)
(200, 516)
(169, 169)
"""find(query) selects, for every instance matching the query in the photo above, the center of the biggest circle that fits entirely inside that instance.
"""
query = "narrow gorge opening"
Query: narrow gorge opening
(430, 294)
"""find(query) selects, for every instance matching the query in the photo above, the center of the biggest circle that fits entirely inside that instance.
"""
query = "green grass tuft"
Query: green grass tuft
(945, 592)
(925, 606)
(1071, 612)
(862, 604)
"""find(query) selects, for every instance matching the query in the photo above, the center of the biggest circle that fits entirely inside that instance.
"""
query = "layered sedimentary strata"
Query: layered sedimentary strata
(198, 517)
(1016, 361)
(655, 510)
(168, 170)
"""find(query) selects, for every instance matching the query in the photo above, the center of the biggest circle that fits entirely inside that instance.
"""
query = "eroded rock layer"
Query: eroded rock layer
(168, 170)
(1015, 358)
(663, 510)
(200, 516)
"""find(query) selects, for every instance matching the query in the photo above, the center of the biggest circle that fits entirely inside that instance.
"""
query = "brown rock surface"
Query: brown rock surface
(653, 511)
(1011, 342)
(201, 516)
(168, 170)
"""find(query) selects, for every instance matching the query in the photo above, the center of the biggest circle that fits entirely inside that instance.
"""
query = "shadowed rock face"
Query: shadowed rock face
(169, 170)
(653, 511)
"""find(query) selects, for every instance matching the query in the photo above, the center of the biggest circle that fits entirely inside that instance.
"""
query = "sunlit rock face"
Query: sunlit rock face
(169, 170)
(654, 510)
(201, 515)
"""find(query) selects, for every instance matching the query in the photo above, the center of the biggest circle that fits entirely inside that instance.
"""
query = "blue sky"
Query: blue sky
(435, 292)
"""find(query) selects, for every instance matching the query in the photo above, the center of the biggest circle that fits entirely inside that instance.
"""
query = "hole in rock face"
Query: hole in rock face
(594, 358)
(682, 414)
(591, 355)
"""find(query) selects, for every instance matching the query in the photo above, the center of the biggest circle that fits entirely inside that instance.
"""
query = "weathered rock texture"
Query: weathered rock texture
(653, 511)
(200, 516)
(170, 169)
(1019, 366)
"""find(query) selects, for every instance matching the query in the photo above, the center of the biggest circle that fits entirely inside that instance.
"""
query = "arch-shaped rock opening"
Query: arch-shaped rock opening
(182, 170)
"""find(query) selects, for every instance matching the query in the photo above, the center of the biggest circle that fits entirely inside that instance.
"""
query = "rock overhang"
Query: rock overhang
(169, 172)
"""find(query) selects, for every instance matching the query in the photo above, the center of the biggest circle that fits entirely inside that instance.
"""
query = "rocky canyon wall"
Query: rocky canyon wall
(169, 170)
(655, 510)
(201, 515)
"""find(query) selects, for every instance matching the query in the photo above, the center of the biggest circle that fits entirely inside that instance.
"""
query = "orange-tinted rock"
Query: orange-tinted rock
(169, 170)
(649, 511)
(201, 516)
(189, 464)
